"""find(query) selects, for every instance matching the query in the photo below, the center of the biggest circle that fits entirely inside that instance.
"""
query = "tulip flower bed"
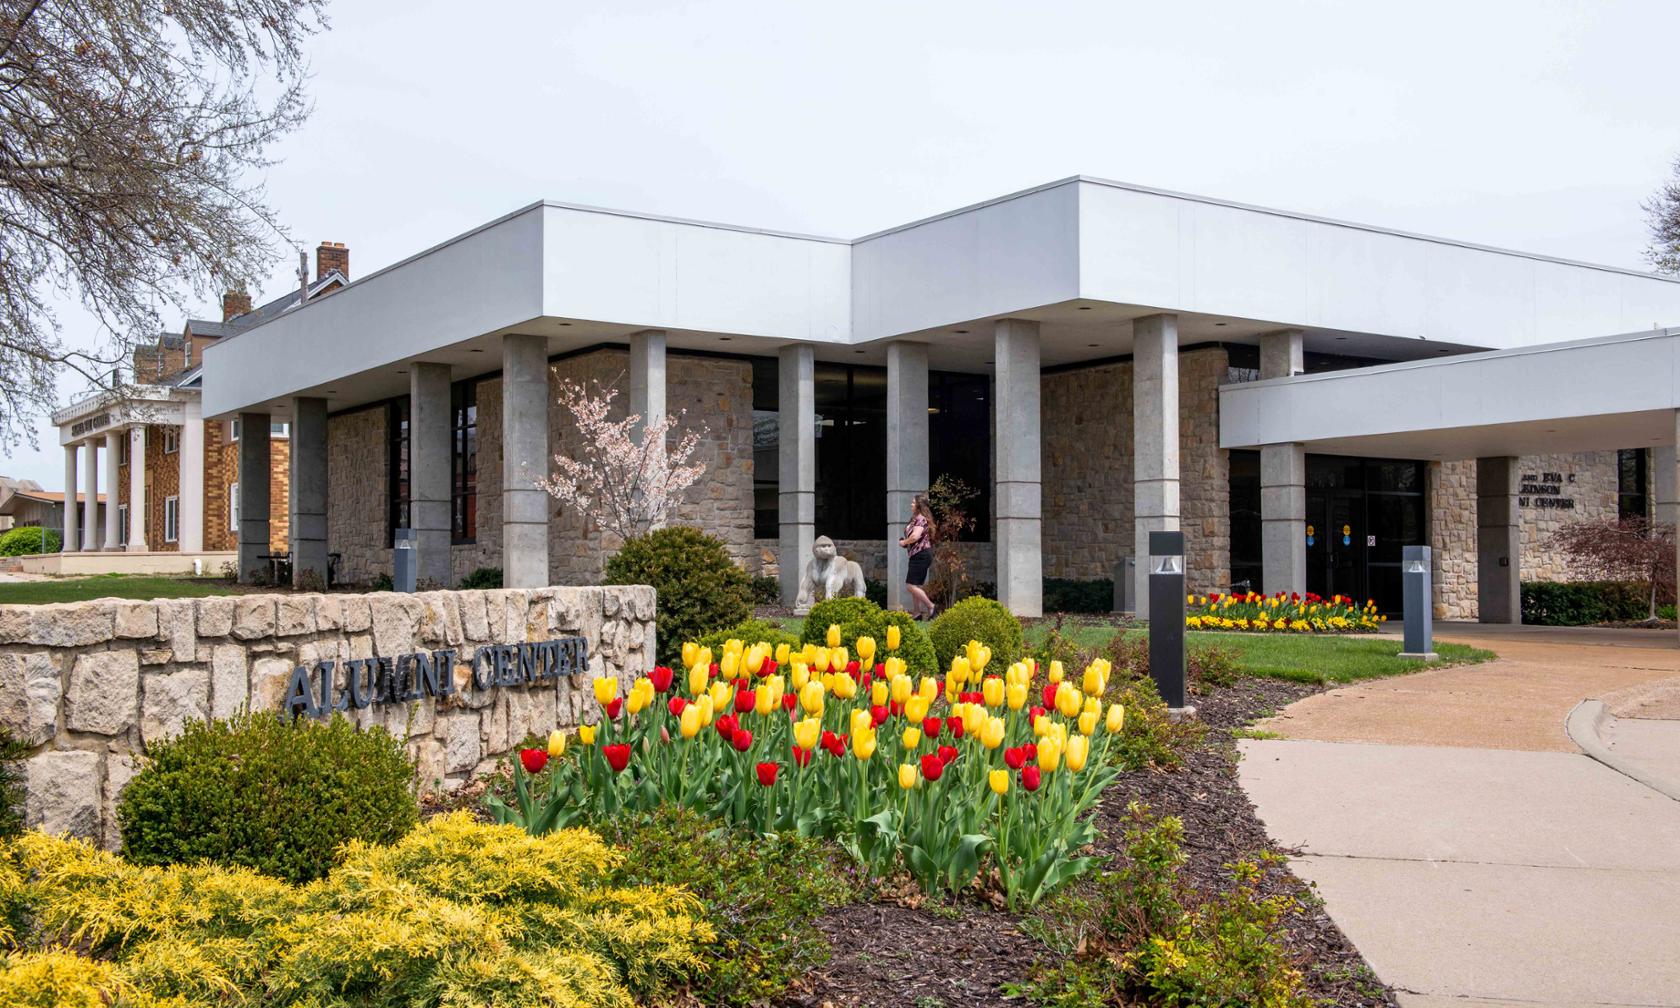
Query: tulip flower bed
(1281, 613)
(975, 775)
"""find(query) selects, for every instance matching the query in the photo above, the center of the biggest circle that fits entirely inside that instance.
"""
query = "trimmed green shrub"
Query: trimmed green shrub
(981, 619)
(750, 632)
(700, 588)
(1580, 603)
(1071, 595)
(482, 577)
(264, 793)
(766, 590)
(859, 617)
(25, 540)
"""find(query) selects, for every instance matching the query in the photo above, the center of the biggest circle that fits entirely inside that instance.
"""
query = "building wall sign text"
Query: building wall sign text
(327, 687)
(1545, 490)
(81, 427)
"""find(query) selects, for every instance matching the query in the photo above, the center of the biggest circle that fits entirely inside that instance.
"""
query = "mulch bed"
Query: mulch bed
(889, 955)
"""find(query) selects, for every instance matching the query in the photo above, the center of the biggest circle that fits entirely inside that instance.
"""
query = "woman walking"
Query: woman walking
(918, 543)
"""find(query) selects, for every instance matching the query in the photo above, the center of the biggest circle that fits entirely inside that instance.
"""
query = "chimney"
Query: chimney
(234, 304)
(330, 256)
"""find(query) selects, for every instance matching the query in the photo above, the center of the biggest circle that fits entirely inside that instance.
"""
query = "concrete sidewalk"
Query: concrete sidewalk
(1465, 844)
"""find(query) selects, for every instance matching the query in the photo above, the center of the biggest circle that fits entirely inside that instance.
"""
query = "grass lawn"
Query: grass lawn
(128, 586)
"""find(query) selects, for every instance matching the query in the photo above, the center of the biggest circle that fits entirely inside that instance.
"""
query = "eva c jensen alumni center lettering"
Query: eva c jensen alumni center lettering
(1302, 397)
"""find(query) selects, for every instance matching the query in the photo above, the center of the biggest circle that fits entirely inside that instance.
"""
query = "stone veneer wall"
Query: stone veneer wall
(1087, 470)
(1452, 532)
(357, 480)
(89, 684)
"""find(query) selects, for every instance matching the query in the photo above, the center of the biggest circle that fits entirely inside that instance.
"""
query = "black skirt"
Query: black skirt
(919, 564)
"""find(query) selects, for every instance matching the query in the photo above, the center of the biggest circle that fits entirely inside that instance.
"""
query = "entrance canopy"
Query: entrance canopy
(1588, 395)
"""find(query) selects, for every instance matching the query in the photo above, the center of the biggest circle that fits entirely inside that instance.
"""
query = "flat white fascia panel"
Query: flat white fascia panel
(1624, 375)
(677, 275)
(993, 259)
(484, 281)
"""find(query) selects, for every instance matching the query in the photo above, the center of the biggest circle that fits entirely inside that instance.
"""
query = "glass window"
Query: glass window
(1246, 560)
(767, 461)
(1630, 484)
(960, 439)
(396, 447)
(233, 506)
(851, 429)
(122, 524)
(171, 440)
(171, 518)
(463, 463)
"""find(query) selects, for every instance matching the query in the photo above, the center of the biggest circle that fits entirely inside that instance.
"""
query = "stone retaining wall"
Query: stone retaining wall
(89, 684)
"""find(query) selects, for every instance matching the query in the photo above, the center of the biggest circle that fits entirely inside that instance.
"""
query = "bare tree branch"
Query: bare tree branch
(1662, 213)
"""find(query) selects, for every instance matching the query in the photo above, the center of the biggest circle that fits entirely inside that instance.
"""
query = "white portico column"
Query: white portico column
(90, 507)
(525, 457)
(796, 421)
(137, 488)
(72, 515)
(1017, 501)
(430, 434)
(647, 380)
(1154, 441)
(907, 453)
(253, 495)
(190, 516)
(1665, 482)
(1283, 483)
(306, 525)
(1498, 542)
(113, 454)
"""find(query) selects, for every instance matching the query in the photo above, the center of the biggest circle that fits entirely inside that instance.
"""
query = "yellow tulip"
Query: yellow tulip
(866, 651)
(807, 732)
(819, 660)
(838, 658)
(999, 782)
(707, 708)
(691, 720)
(1078, 748)
(1049, 754)
(698, 676)
(606, 688)
(861, 723)
(811, 697)
(586, 734)
(705, 658)
(893, 666)
(901, 687)
(974, 718)
(1041, 725)
(991, 733)
(690, 651)
(556, 743)
(763, 702)
(911, 738)
(863, 746)
(959, 670)
(782, 652)
(754, 659)
(1068, 700)
(1092, 706)
(928, 689)
(915, 708)
(879, 693)
(800, 676)
(730, 665)
(845, 687)
(721, 694)
(1095, 681)
(971, 652)
(1087, 722)
(991, 691)
(908, 775)
(833, 635)
(893, 637)
(1056, 672)
(978, 662)
(638, 699)
(1015, 695)
(1116, 718)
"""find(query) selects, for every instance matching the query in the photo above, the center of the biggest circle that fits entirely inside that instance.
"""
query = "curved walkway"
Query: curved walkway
(1464, 843)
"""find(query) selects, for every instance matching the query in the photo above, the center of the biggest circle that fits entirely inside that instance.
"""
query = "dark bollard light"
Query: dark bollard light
(1419, 607)
(402, 561)
(1166, 616)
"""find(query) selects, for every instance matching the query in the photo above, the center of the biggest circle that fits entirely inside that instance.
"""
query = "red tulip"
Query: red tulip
(931, 726)
(1014, 757)
(661, 678)
(1030, 751)
(726, 726)
(675, 705)
(853, 668)
(618, 756)
(744, 700)
(932, 767)
(742, 740)
(767, 773)
(864, 681)
(1034, 713)
(1050, 693)
(789, 699)
(614, 707)
(802, 756)
(878, 714)
(955, 724)
(895, 707)
(880, 668)
(947, 753)
(533, 760)
(1030, 777)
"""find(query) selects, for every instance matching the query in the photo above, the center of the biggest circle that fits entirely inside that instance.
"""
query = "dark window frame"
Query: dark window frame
(1632, 484)
(463, 463)
(397, 417)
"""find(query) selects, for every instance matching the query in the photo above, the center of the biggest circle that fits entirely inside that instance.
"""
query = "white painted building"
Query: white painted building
(1103, 331)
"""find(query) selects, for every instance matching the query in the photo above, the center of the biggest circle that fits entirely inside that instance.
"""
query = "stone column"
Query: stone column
(72, 514)
(191, 455)
(306, 526)
(796, 501)
(1154, 441)
(1665, 483)
(137, 488)
(1283, 483)
(525, 456)
(90, 506)
(1016, 494)
(113, 455)
(430, 439)
(907, 453)
(1498, 541)
(647, 380)
(253, 495)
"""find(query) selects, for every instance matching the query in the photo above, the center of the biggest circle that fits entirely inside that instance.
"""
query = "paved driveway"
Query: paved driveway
(1463, 843)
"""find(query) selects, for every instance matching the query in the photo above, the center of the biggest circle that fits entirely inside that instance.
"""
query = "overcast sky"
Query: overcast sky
(1528, 124)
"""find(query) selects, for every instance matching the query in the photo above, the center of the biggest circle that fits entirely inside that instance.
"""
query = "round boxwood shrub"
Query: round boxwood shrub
(859, 617)
(25, 540)
(751, 632)
(981, 619)
(276, 796)
(700, 588)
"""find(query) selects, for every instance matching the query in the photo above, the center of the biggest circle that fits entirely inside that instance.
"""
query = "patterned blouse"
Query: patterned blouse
(925, 542)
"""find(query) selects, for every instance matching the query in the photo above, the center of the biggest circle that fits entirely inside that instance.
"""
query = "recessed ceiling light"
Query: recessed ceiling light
(962, 331)
(725, 339)
(1443, 351)
(565, 323)
(1093, 344)
(400, 371)
(1084, 307)
(1341, 337)
(1221, 323)
(857, 351)
(477, 351)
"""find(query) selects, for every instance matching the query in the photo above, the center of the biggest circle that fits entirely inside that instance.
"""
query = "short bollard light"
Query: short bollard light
(403, 561)
(1166, 616)
(1419, 607)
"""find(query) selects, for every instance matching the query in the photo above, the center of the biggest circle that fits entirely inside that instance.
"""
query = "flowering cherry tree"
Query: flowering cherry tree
(625, 478)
